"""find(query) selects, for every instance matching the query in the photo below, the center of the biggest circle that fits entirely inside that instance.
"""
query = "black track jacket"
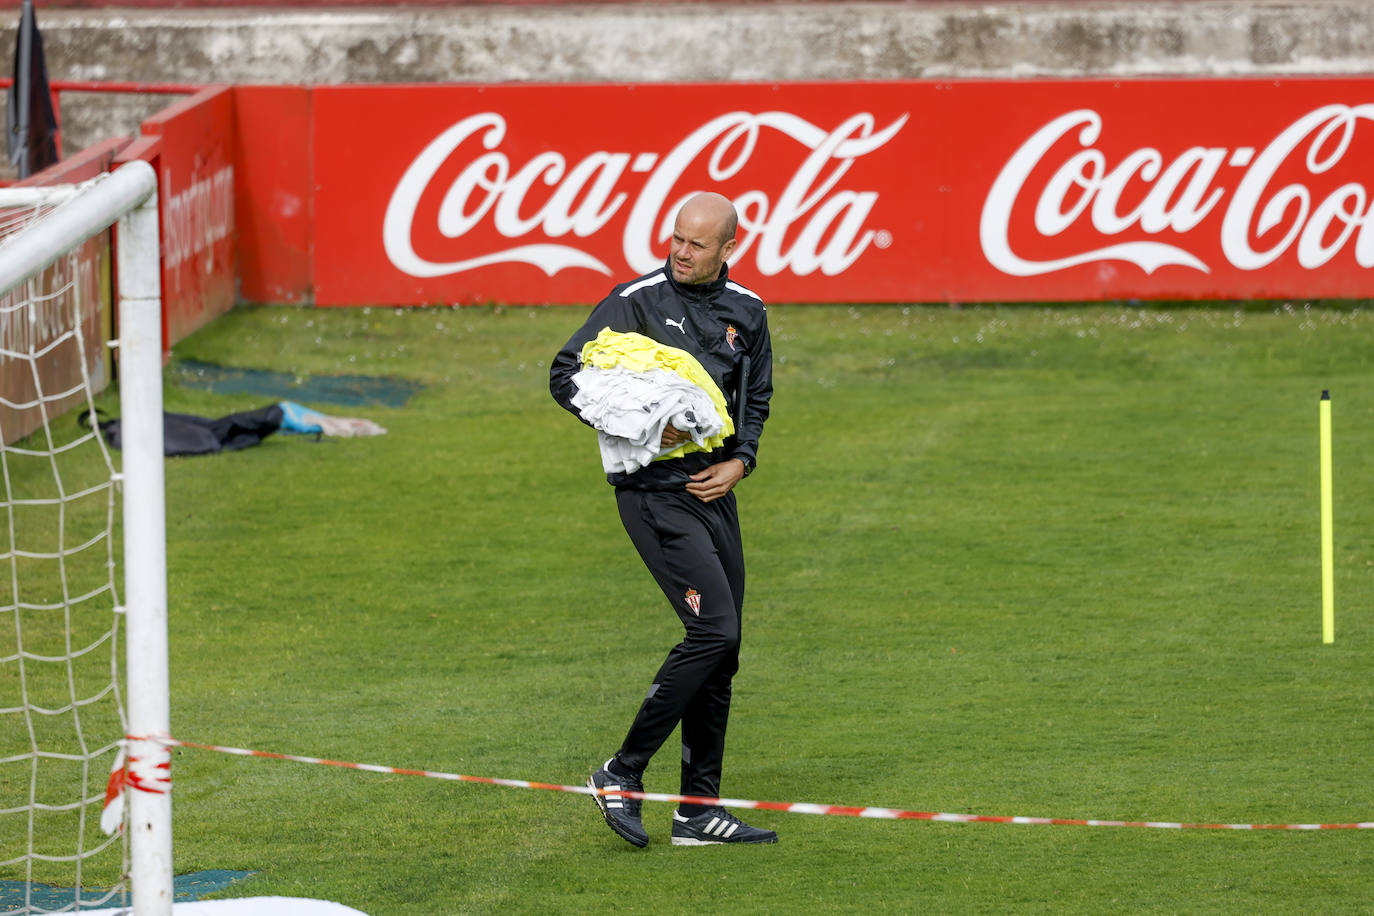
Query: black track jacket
(719, 323)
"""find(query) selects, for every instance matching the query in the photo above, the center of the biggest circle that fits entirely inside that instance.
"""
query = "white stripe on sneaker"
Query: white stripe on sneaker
(730, 832)
(711, 827)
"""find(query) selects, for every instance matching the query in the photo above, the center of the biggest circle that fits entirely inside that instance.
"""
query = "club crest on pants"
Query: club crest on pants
(694, 601)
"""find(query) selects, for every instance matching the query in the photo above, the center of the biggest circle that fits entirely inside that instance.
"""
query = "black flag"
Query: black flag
(32, 122)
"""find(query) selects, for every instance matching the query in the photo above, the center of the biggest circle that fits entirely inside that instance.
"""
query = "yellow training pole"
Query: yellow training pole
(1328, 577)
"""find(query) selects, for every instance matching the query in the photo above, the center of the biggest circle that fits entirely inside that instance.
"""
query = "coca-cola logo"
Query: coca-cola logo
(811, 225)
(1262, 220)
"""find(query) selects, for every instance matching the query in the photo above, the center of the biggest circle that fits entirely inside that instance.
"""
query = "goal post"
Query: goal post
(145, 544)
(125, 199)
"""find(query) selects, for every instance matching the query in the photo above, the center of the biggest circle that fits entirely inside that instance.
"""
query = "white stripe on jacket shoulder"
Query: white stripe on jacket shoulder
(653, 279)
(731, 284)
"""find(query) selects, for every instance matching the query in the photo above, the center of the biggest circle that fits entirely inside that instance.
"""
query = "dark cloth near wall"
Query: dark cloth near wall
(186, 434)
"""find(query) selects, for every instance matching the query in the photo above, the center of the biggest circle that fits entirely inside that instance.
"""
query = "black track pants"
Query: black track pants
(693, 550)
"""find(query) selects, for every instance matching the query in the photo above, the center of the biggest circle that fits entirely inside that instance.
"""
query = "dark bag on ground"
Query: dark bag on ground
(185, 434)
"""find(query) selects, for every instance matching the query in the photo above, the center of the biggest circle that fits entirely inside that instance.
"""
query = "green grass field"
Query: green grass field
(1010, 561)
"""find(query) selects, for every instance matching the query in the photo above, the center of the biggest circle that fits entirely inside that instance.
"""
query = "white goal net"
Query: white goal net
(63, 629)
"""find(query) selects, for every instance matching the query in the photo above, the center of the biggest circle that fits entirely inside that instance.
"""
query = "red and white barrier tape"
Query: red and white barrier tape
(142, 765)
(790, 807)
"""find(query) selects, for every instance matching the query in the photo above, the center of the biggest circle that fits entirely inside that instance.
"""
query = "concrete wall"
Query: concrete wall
(687, 42)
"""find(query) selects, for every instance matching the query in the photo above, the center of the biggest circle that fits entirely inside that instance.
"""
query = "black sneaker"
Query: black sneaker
(622, 814)
(716, 825)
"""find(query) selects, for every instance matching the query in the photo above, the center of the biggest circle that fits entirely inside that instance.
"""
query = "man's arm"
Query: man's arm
(720, 478)
(759, 391)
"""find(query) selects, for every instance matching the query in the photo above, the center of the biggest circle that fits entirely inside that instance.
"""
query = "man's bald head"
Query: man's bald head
(703, 237)
(715, 208)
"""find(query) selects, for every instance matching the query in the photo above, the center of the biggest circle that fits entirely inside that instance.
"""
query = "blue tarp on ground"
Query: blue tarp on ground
(192, 886)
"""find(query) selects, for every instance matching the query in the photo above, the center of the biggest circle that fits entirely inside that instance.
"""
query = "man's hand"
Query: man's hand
(673, 437)
(717, 480)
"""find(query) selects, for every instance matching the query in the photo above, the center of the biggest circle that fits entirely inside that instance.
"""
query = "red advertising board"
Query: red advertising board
(273, 192)
(1233, 189)
(195, 164)
(553, 193)
(850, 192)
(53, 327)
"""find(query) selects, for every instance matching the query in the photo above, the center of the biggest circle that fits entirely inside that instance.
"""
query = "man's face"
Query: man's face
(697, 251)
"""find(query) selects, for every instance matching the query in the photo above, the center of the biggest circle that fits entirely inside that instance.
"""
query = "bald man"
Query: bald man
(680, 515)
